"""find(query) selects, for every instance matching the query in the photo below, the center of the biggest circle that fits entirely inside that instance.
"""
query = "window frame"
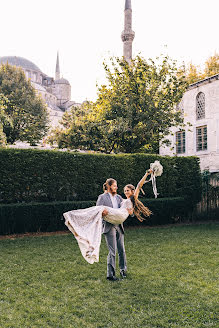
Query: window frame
(200, 112)
(182, 139)
(203, 135)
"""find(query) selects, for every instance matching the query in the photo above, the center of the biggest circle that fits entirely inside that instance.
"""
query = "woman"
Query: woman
(86, 224)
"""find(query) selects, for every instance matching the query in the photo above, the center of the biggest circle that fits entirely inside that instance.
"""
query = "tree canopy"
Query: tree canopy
(26, 110)
(133, 112)
(211, 67)
(4, 119)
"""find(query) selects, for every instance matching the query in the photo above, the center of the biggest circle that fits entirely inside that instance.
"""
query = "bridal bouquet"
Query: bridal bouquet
(157, 170)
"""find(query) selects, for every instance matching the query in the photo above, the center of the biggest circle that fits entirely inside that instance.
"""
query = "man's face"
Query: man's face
(113, 188)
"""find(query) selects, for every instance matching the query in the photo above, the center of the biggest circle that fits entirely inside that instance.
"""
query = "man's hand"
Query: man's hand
(130, 210)
(105, 212)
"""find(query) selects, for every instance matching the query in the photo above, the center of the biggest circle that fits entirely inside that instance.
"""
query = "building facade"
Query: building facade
(56, 92)
(200, 107)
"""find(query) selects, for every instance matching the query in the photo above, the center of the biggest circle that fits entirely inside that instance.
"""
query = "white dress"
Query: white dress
(86, 225)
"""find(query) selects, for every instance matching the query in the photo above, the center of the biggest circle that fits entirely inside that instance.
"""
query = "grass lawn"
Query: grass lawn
(172, 282)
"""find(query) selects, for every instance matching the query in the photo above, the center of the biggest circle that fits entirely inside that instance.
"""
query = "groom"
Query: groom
(114, 234)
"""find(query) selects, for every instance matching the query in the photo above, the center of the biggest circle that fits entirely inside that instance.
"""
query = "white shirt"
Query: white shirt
(114, 200)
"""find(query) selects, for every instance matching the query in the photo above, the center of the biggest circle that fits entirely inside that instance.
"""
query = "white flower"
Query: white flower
(157, 168)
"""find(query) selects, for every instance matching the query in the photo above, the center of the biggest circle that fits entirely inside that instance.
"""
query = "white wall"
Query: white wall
(209, 159)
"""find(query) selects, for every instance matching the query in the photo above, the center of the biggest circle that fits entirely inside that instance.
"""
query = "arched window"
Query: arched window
(200, 106)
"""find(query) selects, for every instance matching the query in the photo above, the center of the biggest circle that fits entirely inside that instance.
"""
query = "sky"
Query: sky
(87, 32)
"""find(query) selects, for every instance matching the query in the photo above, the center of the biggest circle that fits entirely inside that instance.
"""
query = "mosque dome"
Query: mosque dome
(19, 61)
(62, 81)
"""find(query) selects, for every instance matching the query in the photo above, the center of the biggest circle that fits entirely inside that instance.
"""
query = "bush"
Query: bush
(35, 217)
(45, 176)
(165, 211)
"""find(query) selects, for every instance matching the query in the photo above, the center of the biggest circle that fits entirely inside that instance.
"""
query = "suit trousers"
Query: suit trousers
(115, 241)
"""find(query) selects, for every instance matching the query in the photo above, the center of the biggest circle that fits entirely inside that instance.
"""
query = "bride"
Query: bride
(86, 224)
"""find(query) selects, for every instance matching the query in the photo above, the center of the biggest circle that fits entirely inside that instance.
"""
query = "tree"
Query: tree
(212, 65)
(4, 119)
(26, 109)
(193, 74)
(132, 113)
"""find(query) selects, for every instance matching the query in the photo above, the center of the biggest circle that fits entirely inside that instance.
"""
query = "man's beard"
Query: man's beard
(112, 192)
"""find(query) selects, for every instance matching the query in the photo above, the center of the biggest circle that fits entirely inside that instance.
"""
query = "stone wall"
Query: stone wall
(209, 158)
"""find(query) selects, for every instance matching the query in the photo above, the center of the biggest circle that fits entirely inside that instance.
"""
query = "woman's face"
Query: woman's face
(128, 192)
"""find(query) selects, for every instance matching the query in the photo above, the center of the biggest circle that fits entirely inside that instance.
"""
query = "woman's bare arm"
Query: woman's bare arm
(141, 182)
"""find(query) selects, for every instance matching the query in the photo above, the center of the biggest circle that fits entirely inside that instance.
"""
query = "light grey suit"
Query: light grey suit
(114, 236)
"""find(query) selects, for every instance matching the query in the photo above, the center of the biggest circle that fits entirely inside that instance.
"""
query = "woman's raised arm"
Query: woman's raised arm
(141, 182)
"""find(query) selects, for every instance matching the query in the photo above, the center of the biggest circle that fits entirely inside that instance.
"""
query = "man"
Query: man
(114, 234)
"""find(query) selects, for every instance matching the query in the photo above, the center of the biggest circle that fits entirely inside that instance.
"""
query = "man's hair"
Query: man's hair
(109, 183)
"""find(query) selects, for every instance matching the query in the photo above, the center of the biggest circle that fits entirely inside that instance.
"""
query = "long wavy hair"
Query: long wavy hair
(138, 206)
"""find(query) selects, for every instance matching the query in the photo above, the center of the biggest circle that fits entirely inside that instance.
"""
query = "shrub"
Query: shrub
(45, 176)
(35, 217)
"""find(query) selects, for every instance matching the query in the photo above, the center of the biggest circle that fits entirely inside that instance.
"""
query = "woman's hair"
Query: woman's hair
(138, 206)
(108, 182)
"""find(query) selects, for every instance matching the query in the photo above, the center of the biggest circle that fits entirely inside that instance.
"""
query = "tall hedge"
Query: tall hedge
(43, 176)
(38, 217)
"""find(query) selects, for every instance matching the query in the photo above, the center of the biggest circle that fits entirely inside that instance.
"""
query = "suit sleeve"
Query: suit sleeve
(100, 200)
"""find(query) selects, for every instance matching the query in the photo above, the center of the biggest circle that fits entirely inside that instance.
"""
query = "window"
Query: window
(200, 106)
(34, 77)
(180, 142)
(28, 74)
(201, 138)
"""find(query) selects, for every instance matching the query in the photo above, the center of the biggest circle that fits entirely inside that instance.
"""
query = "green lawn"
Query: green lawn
(172, 282)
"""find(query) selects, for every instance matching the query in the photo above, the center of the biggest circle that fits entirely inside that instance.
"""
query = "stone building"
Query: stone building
(55, 92)
(200, 107)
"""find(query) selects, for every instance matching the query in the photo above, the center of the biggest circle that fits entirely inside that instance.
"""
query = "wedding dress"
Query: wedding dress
(86, 225)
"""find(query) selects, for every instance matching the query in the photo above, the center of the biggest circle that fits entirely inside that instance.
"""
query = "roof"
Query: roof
(57, 64)
(204, 81)
(61, 81)
(19, 61)
(38, 86)
(128, 4)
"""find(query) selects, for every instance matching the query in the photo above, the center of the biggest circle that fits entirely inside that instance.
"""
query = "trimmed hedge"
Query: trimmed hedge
(29, 175)
(44, 217)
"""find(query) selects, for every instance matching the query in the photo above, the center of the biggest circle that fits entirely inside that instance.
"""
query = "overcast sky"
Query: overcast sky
(87, 31)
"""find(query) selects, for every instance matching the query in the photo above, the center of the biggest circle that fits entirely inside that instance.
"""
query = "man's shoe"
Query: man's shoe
(123, 274)
(112, 278)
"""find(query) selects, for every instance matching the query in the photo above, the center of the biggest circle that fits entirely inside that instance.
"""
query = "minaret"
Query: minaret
(57, 75)
(128, 35)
